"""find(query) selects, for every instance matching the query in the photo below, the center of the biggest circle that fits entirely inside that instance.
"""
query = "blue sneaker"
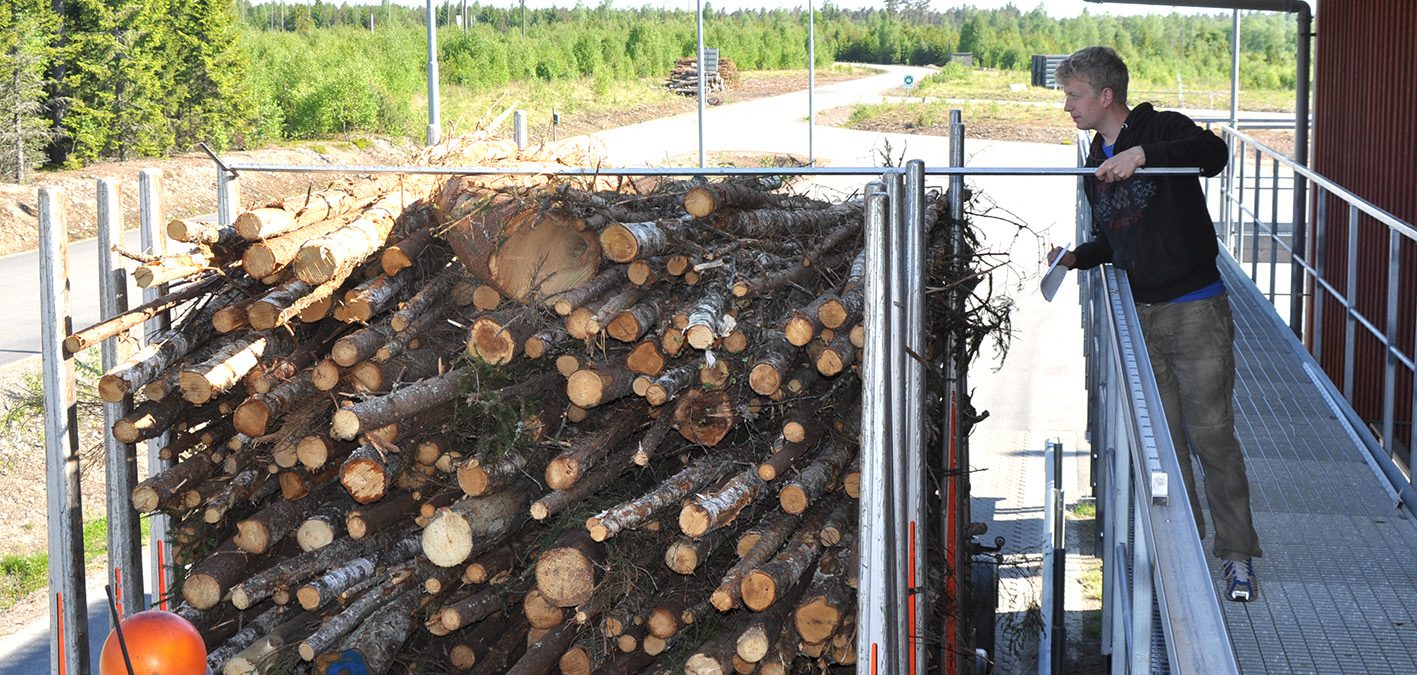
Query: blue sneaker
(1240, 583)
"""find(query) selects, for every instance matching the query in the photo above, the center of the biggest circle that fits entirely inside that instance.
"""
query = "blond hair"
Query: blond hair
(1100, 67)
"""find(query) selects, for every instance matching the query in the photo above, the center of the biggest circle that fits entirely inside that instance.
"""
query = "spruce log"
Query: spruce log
(587, 484)
(254, 415)
(645, 359)
(633, 322)
(612, 307)
(372, 646)
(299, 360)
(368, 472)
(775, 357)
(839, 523)
(542, 656)
(470, 651)
(498, 338)
(772, 580)
(715, 657)
(286, 301)
(244, 485)
(838, 356)
(686, 553)
(381, 411)
(478, 478)
(591, 387)
(383, 597)
(315, 451)
(360, 345)
(565, 469)
(756, 641)
(491, 565)
(778, 223)
(403, 254)
(827, 599)
(163, 350)
(209, 579)
(168, 486)
(369, 520)
(269, 525)
(650, 443)
(427, 297)
(785, 455)
(813, 481)
(568, 301)
(568, 570)
(264, 623)
(325, 524)
(373, 296)
(545, 341)
(472, 524)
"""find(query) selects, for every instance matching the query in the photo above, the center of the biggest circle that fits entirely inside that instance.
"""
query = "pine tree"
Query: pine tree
(24, 56)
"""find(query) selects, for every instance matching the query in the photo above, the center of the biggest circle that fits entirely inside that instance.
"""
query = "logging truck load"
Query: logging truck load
(512, 424)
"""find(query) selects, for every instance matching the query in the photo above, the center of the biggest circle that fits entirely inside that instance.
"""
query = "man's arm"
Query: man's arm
(1186, 145)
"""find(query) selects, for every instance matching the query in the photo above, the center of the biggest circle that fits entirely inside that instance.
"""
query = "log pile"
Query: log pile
(636, 434)
(684, 79)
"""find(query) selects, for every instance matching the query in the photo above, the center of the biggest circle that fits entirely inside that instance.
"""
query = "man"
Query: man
(1158, 230)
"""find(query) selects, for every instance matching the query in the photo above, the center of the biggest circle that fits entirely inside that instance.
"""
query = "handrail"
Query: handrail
(1152, 554)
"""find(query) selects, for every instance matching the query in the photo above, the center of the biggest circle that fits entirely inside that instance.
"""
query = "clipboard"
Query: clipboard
(1053, 278)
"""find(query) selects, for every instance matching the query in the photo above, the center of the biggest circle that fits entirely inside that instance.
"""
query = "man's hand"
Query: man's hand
(1068, 258)
(1122, 165)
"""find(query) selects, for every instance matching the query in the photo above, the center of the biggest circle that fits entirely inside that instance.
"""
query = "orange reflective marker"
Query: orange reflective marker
(159, 643)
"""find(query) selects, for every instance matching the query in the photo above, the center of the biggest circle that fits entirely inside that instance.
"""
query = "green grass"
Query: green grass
(24, 574)
(1085, 510)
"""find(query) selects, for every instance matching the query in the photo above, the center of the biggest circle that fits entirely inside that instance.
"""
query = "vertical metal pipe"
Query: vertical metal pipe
(1255, 224)
(68, 605)
(915, 466)
(876, 630)
(1301, 156)
(1316, 339)
(956, 160)
(154, 241)
(519, 128)
(1350, 302)
(125, 546)
(700, 66)
(435, 126)
(1274, 231)
(1235, 70)
(228, 195)
(1390, 346)
(895, 353)
(811, 82)
(958, 385)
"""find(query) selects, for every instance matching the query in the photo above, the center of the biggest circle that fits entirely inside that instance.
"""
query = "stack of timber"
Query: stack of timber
(684, 79)
(500, 425)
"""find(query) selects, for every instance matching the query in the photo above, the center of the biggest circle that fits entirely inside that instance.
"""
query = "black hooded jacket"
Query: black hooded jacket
(1157, 228)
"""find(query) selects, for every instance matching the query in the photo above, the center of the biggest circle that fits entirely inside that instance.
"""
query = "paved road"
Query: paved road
(1038, 391)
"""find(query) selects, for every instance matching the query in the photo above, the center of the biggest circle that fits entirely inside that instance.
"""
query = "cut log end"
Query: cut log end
(201, 591)
(345, 425)
(694, 521)
(759, 590)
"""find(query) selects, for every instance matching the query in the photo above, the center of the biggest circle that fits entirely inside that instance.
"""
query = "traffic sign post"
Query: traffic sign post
(909, 81)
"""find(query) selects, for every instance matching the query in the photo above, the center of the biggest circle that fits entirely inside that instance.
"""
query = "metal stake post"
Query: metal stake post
(900, 431)
(228, 195)
(915, 469)
(811, 82)
(877, 630)
(153, 239)
(435, 127)
(955, 496)
(125, 546)
(700, 67)
(68, 606)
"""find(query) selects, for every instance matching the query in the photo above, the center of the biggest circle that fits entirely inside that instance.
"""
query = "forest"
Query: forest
(90, 80)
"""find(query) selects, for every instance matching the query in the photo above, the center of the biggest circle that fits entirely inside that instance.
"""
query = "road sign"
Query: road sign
(909, 81)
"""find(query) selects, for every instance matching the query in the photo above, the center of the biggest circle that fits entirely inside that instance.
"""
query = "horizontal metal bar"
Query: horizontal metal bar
(1403, 228)
(694, 171)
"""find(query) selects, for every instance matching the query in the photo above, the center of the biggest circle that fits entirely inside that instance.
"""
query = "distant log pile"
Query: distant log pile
(684, 79)
(611, 415)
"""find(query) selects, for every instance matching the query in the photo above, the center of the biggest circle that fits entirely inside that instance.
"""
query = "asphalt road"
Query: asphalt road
(1037, 390)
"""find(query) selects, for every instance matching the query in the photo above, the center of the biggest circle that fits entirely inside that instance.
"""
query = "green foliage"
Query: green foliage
(22, 575)
(24, 55)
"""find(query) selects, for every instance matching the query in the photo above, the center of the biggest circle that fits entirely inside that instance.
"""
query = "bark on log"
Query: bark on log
(626, 242)
(839, 523)
(295, 570)
(250, 482)
(325, 525)
(826, 600)
(524, 252)
(375, 295)
(299, 210)
(564, 470)
(286, 301)
(568, 570)
(776, 355)
(209, 579)
(785, 455)
(491, 566)
(756, 641)
(772, 580)
(330, 584)
(777, 529)
(591, 387)
(471, 650)
(403, 254)
(768, 223)
(264, 623)
(542, 656)
(707, 512)
(472, 609)
(598, 476)
(670, 384)
(163, 351)
(473, 524)
(254, 415)
(360, 345)
(406, 402)
(838, 356)
(225, 369)
(575, 298)
(686, 554)
(706, 318)
(630, 514)
(271, 524)
(498, 338)
(175, 267)
(103, 330)
(167, 487)
(269, 256)
(149, 420)
(195, 231)
(631, 323)
(371, 648)
(427, 297)
(714, 657)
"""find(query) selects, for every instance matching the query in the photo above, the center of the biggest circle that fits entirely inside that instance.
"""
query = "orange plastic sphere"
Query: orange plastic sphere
(159, 643)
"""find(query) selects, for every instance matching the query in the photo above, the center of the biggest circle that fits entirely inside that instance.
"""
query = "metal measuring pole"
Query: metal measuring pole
(153, 240)
(434, 125)
(125, 545)
(915, 471)
(68, 604)
(899, 405)
(701, 83)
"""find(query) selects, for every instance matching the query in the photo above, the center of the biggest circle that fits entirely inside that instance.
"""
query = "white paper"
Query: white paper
(1053, 278)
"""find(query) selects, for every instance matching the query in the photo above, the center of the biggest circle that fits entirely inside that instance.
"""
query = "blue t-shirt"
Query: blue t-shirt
(1107, 150)
(1202, 293)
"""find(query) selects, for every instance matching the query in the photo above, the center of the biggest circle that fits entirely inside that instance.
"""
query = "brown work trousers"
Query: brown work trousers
(1191, 345)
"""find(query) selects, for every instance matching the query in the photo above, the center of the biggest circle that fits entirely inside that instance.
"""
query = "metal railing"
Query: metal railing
(1153, 618)
(1257, 223)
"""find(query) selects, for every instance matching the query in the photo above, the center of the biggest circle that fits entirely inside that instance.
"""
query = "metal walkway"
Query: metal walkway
(1338, 591)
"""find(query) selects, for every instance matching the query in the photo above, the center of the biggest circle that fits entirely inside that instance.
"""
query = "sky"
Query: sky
(1054, 8)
